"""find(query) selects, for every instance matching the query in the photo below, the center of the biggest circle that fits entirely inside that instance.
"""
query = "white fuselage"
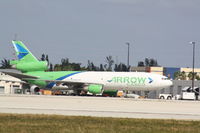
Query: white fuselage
(123, 80)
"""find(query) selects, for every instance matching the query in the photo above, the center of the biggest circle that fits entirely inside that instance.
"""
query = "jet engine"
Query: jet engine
(34, 89)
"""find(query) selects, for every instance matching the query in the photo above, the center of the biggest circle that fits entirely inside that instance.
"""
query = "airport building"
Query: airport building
(9, 84)
(167, 71)
(157, 70)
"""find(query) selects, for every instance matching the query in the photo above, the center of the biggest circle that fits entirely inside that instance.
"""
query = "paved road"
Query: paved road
(100, 106)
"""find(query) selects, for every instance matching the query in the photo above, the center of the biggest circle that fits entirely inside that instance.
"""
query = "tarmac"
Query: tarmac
(100, 107)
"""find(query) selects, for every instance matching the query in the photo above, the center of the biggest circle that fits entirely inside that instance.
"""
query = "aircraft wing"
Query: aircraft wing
(13, 81)
(19, 75)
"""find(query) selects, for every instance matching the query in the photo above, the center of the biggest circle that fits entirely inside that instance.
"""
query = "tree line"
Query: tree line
(148, 62)
(66, 65)
(183, 76)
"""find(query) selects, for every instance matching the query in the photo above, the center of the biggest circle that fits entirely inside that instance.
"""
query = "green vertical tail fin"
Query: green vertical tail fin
(23, 53)
(26, 62)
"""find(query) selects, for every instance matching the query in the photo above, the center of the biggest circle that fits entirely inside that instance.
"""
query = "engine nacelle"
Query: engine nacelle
(94, 88)
(34, 89)
(30, 66)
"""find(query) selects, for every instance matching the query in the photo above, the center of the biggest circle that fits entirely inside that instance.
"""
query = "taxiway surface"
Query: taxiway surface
(100, 106)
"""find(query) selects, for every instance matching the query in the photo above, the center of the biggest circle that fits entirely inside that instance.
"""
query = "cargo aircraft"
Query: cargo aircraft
(34, 73)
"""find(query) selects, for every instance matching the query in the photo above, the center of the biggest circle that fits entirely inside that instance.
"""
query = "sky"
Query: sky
(83, 30)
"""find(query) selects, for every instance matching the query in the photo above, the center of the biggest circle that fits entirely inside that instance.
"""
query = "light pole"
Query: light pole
(193, 63)
(128, 55)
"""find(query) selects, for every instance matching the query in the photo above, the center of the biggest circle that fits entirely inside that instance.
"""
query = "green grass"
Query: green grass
(16, 123)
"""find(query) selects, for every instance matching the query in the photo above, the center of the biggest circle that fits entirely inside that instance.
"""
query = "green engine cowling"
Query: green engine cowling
(30, 66)
(95, 89)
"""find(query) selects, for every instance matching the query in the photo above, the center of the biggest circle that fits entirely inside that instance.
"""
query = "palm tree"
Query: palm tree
(5, 64)
(180, 75)
(146, 62)
(110, 62)
(190, 75)
(183, 75)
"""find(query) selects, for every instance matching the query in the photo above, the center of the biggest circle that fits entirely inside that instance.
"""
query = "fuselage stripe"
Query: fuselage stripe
(50, 85)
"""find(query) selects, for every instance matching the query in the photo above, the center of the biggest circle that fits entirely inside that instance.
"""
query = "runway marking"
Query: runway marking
(96, 111)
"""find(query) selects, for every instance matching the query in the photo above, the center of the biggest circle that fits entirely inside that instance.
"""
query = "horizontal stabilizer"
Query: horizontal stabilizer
(15, 81)
(19, 75)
